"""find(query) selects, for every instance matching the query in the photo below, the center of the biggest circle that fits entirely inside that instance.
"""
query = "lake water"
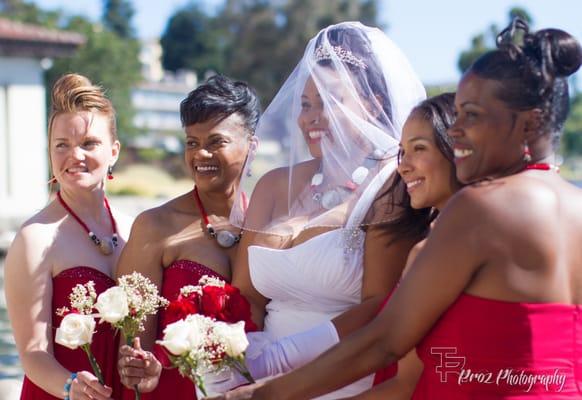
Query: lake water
(9, 362)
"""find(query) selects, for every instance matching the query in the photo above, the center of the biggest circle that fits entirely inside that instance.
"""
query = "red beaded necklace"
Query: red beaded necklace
(106, 245)
(543, 167)
(224, 238)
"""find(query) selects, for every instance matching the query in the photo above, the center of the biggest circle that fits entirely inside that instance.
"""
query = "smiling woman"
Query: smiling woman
(177, 243)
(74, 239)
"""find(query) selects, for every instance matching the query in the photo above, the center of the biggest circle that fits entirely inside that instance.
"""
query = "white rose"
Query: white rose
(182, 336)
(112, 305)
(233, 336)
(75, 330)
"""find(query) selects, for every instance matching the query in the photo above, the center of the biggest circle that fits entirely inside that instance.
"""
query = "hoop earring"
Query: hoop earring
(110, 172)
(526, 153)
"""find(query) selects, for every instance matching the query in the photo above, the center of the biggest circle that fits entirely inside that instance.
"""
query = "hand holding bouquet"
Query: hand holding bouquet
(78, 324)
(127, 305)
(205, 331)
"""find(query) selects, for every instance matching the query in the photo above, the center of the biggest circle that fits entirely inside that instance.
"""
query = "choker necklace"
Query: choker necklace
(543, 167)
(106, 245)
(224, 238)
(336, 195)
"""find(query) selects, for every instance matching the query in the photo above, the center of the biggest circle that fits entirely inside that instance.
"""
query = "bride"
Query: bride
(324, 240)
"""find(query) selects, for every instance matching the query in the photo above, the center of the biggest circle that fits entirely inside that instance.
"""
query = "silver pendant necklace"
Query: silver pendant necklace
(223, 237)
(106, 245)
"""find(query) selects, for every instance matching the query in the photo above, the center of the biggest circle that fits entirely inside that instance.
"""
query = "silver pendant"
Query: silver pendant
(330, 199)
(106, 246)
(226, 239)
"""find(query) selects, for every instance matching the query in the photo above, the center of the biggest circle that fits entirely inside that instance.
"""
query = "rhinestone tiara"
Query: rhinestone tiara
(323, 53)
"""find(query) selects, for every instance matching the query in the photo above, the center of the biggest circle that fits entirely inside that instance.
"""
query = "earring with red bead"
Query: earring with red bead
(110, 172)
(526, 153)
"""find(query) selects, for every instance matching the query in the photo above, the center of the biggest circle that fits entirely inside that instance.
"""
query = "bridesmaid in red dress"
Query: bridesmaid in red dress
(53, 251)
(492, 301)
(426, 164)
(189, 236)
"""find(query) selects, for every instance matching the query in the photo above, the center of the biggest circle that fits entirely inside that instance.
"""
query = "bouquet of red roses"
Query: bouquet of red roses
(205, 331)
(213, 298)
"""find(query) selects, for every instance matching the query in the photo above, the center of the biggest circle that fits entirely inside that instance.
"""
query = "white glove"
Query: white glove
(267, 358)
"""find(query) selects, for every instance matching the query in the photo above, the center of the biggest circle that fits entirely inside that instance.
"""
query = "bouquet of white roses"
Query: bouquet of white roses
(127, 305)
(199, 345)
(78, 324)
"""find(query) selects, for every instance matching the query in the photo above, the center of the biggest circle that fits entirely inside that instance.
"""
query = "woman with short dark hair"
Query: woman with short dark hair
(178, 242)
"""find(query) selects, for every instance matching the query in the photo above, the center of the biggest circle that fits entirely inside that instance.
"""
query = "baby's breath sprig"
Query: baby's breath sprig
(83, 297)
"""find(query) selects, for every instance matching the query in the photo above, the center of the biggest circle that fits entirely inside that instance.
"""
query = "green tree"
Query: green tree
(117, 15)
(192, 41)
(267, 38)
(29, 13)
(572, 136)
(107, 60)
(485, 41)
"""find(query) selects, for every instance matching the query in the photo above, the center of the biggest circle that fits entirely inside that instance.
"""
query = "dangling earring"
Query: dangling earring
(526, 153)
(249, 172)
(110, 172)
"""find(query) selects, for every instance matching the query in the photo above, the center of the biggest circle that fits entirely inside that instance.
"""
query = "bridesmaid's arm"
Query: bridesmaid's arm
(384, 260)
(143, 253)
(241, 279)
(28, 287)
(258, 215)
(400, 387)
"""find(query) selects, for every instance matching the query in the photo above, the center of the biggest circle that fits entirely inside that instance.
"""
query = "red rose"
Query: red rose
(213, 302)
(177, 310)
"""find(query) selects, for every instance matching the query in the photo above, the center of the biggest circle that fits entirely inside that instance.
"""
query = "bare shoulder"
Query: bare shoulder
(152, 222)
(416, 249)
(275, 178)
(280, 176)
(470, 200)
(33, 242)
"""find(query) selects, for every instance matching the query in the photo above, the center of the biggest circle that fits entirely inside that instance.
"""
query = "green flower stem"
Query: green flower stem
(241, 368)
(200, 383)
(96, 370)
(129, 342)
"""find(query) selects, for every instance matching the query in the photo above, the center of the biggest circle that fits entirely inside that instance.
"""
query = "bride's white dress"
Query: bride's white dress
(309, 284)
(316, 280)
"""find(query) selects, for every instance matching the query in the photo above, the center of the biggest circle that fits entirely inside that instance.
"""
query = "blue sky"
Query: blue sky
(431, 32)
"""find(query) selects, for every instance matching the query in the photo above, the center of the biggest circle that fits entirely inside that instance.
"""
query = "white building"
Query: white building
(25, 51)
(157, 100)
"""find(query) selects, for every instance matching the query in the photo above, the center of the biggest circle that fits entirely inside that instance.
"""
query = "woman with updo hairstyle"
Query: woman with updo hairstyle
(75, 239)
(492, 302)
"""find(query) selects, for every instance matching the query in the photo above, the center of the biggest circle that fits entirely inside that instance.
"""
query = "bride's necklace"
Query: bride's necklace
(106, 245)
(335, 195)
(224, 238)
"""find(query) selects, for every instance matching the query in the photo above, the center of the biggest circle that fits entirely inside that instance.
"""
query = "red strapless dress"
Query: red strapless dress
(104, 345)
(490, 349)
(178, 274)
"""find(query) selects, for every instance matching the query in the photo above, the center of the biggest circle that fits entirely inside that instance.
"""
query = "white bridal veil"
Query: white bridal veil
(338, 118)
